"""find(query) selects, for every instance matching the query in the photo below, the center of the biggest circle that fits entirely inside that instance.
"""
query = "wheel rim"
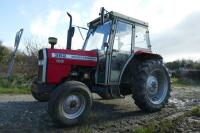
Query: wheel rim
(157, 86)
(73, 105)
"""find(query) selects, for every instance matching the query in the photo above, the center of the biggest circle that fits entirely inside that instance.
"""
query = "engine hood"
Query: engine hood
(73, 57)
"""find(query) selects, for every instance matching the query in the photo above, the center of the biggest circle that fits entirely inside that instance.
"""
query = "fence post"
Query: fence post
(13, 54)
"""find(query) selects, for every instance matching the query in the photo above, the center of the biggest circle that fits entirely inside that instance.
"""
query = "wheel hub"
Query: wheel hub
(73, 106)
(156, 86)
(152, 85)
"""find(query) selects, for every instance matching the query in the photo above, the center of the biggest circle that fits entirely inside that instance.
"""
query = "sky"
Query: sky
(174, 24)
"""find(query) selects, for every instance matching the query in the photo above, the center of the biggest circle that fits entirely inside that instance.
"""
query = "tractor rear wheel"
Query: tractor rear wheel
(151, 85)
(70, 103)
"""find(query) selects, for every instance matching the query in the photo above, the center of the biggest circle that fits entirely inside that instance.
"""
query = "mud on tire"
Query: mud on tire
(151, 86)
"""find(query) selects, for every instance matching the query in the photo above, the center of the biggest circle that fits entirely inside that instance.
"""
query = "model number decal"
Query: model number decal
(73, 57)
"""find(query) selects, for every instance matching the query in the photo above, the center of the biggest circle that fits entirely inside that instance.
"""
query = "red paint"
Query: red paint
(59, 68)
(142, 52)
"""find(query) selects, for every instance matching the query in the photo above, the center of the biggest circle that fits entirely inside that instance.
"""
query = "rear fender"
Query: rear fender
(143, 55)
(136, 57)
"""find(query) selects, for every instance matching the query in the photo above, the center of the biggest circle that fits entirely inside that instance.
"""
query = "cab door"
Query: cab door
(104, 32)
(121, 50)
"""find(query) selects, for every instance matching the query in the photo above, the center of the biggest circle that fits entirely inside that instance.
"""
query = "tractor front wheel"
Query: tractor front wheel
(151, 84)
(40, 97)
(70, 103)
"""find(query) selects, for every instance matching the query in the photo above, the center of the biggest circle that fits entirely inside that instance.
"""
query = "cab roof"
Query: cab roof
(112, 14)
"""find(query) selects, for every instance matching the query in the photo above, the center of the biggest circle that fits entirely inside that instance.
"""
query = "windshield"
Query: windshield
(97, 36)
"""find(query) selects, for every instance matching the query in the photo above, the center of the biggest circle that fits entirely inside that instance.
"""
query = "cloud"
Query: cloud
(161, 14)
(9, 44)
(181, 41)
(46, 25)
(171, 33)
(56, 24)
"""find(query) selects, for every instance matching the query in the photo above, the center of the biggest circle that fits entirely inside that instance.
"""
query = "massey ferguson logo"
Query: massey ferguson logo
(73, 57)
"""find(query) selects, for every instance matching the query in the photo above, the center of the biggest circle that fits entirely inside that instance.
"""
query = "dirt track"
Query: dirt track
(21, 113)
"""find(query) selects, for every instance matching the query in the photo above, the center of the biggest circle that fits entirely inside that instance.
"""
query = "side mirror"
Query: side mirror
(52, 41)
(102, 11)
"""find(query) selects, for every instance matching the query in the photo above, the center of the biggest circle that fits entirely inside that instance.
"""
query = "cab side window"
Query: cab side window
(140, 37)
(123, 37)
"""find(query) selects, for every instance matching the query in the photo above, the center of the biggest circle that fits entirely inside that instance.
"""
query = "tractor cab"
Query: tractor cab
(116, 38)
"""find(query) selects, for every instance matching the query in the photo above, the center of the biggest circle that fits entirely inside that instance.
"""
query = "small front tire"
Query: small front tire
(38, 96)
(70, 103)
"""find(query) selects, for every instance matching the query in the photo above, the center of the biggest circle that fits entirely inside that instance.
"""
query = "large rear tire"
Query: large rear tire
(151, 85)
(70, 103)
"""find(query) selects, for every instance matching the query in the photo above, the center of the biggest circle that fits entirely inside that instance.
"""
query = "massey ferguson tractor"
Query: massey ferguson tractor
(116, 60)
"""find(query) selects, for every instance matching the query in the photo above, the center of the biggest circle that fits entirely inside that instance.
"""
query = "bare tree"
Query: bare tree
(33, 44)
(29, 58)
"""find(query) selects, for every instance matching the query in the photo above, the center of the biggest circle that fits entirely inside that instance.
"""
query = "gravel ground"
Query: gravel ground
(21, 113)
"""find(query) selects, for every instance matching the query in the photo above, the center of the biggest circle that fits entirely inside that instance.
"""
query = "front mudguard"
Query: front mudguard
(41, 89)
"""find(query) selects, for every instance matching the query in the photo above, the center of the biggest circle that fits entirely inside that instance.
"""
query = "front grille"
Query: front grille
(40, 66)
(42, 63)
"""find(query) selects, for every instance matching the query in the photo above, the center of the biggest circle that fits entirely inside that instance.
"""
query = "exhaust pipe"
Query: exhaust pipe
(70, 33)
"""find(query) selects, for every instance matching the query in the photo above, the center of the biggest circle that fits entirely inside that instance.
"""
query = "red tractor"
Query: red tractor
(116, 60)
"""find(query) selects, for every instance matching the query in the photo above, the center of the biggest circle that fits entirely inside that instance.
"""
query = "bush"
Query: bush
(4, 54)
(187, 64)
(181, 82)
(17, 84)
(195, 111)
(15, 81)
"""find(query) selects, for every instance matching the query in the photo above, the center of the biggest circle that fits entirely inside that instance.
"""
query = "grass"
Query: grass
(195, 111)
(149, 129)
(167, 125)
(155, 126)
(14, 90)
(86, 129)
(17, 84)
(184, 83)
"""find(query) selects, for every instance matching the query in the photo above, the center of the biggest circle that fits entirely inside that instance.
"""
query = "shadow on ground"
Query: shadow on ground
(22, 116)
